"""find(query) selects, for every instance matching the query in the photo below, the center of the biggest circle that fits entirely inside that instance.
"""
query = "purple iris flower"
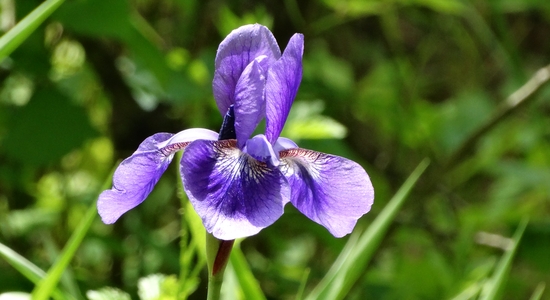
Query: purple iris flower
(239, 186)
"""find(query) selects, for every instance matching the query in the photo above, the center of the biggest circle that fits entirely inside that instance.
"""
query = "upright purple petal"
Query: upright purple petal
(235, 52)
(136, 176)
(235, 195)
(283, 80)
(330, 190)
(249, 101)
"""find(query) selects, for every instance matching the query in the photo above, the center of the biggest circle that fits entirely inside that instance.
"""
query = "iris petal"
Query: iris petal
(282, 82)
(259, 148)
(136, 176)
(330, 190)
(249, 101)
(284, 144)
(181, 139)
(235, 52)
(235, 195)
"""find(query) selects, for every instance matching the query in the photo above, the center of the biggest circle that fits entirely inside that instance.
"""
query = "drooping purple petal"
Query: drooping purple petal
(249, 101)
(235, 52)
(260, 149)
(134, 179)
(330, 190)
(136, 176)
(235, 195)
(283, 79)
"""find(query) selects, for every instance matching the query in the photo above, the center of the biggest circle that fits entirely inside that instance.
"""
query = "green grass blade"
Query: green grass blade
(537, 294)
(25, 267)
(303, 283)
(247, 282)
(20, 32)
(355, 256)
(45, 287)
(469, 292)
(493, 285)
(68, 282)
(476, 278)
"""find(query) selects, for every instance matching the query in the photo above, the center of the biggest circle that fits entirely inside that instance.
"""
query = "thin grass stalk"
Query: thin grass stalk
(496, 282)
(20, 32)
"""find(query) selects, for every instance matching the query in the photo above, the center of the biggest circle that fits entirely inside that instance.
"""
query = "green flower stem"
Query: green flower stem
(217, 256)
(214, 286)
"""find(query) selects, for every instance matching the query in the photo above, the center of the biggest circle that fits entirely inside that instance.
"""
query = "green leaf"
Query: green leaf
(114, 19)
(96, 17)
(47, 128)
(17, 35)
(360, 247)
(305, 121)
(356, 8)
(459, 117)
(495, 283)
(247, 283)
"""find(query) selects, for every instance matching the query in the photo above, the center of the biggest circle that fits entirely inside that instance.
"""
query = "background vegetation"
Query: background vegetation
(386, 83)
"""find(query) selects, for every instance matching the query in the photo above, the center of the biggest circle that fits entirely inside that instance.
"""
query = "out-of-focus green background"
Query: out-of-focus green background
(386, 83)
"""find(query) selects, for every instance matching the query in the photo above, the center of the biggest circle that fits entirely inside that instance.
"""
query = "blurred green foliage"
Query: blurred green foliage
(386, 83)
